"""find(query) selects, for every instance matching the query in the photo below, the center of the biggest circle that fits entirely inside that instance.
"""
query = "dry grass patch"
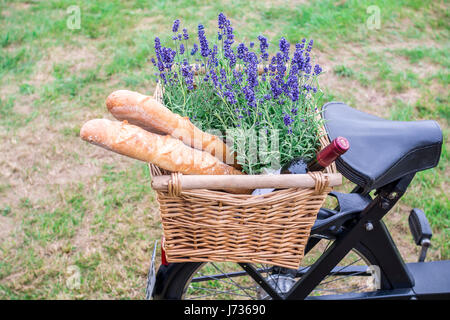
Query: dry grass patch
(365, 98)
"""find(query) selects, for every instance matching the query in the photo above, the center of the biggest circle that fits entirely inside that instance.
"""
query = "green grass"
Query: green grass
(437, 55)
(66, 204)
(344, 71)
(10, 119)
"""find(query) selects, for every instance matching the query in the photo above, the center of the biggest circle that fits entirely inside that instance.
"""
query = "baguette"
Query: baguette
(164, 151)
(149, 114)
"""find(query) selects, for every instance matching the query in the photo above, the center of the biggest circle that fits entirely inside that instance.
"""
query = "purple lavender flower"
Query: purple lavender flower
(213, 62)
(252, 70)
(281, 67)
(157, 45)
(194, 49)
(300, 46)
(159, 54)
(276, 90)
(310, 45)
(163, 77)
(273, 66)
(242, 51)
(168, 56)
(286, 85)
(222, 19)
(292, 83)
(186, 71)
(229, 40)
(185, 34)
(287, 120)
(249, 95)
(263, 46)
(317, 69)
(285, 88)
(230, 96)
(176, 25)
(214, 78)
(238, 77)
(284, 48)
(223, 76)
(297, 57)
(307, 69)
(294, 93)
(232, 59)
(204, 49)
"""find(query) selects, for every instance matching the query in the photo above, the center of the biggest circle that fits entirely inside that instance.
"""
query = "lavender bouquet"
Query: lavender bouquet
(264, 106)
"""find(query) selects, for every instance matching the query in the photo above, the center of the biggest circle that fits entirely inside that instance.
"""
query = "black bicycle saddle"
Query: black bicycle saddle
(381, 151)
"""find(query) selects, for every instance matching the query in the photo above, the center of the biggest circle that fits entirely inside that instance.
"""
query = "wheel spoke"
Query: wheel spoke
(342, 279)
(226, 282)
(216, 267)
(217, 291)
(269, 274)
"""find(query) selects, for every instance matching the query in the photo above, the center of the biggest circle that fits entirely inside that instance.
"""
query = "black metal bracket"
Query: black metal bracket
(349, 238)
(349, 206)
(255, 275)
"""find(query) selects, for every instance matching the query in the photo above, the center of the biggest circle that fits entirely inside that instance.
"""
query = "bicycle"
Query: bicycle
(350, 253)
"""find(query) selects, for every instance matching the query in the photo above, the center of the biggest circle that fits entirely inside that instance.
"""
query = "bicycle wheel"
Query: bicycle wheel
(227, 280)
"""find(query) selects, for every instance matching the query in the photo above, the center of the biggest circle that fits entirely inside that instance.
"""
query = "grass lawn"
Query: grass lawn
(70, 208)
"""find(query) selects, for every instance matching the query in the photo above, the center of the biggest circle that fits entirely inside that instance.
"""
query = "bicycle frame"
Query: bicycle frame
(366, 231)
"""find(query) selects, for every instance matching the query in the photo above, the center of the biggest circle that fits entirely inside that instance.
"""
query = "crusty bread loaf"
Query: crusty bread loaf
(146, 112)
(164, 151)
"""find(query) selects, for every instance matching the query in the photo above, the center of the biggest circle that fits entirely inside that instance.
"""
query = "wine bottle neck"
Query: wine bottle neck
(330, 153)
(315, 165)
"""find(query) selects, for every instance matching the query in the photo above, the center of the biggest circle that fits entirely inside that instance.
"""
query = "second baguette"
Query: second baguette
(164, 151)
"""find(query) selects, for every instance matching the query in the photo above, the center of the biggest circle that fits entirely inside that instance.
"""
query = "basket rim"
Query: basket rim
(281, 181)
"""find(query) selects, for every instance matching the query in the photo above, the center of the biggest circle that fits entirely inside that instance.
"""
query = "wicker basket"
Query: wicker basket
(206, 225)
